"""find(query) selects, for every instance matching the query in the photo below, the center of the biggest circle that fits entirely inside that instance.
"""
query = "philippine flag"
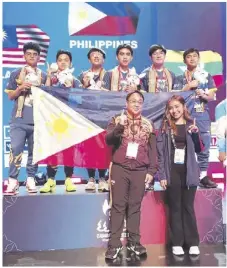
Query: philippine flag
(64, 136)
(100, 18)
(70, 124)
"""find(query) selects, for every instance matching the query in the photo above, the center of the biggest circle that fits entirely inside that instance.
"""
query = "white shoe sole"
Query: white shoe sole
(34, 191)
(194, 253)
(10, 194)
(178, 252)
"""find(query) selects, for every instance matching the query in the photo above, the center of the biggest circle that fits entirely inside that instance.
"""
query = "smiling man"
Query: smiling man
(93, 79)
(202, 83)
(119, 78)
(157, 78)
(60, 77)
(133, 140)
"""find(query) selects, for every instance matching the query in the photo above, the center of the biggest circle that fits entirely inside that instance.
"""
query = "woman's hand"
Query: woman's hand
(193, 128)
(148, 179)
(163, 183)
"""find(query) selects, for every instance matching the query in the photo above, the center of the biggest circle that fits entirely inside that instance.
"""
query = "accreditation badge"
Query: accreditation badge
(179, 156)
(132, 150)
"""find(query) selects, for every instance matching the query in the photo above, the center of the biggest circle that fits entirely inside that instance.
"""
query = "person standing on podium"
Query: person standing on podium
(22, 122)
(133, 165)
(157, 78)
(177, 142)
(60, 75)
(93, 79)
(197, 79)
(122, 77)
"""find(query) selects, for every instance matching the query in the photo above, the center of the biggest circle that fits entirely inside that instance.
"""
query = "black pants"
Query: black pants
(127, 194)
(183, 228)
(52, 170)
(91, 172)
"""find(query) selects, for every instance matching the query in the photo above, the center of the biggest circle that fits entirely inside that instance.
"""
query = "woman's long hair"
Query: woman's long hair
(168, 120)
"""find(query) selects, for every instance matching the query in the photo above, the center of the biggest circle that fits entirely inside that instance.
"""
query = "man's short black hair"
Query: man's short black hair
(61, 51)
(155, 47)
(96, 49)
(133, 92)
(190, 50)
(31, 45)
(124, 46)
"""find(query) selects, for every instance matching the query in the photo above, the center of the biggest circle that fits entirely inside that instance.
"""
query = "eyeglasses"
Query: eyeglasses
(96, 54)
(136, 102)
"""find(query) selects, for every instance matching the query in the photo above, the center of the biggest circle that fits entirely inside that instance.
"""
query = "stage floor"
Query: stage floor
(158, 255)
(61, 220)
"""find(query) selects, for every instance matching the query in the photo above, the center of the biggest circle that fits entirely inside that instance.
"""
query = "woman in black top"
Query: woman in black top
(177, 143)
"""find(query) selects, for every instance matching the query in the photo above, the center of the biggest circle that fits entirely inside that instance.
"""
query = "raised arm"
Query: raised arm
(114, 132)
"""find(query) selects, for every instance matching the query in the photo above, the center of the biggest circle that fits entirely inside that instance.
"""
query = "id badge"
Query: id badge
(132, 150)
(179, 155)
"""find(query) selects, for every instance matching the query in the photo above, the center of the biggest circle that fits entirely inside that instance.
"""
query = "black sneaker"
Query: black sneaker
(112, 252)
(137, 248)
(206, 182)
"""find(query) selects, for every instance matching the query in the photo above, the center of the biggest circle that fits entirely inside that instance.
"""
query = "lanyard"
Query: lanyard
(173, 140)
(98, 77)
(163, 77)
(121, 77)
(188, 76)
(132, 127)
(35, 69)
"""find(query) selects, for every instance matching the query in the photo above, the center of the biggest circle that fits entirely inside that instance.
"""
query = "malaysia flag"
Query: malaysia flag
(102, 18)
(14, 38)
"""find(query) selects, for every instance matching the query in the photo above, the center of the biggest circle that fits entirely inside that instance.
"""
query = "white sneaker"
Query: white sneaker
(90, 186)
(30, 185)
(103, 185)
(177, 250)
(194, 250)
(12, 187)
